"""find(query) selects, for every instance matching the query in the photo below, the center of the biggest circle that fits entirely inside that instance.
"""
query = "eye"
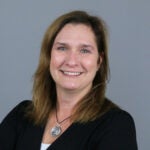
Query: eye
(84, 50)
(61, 48)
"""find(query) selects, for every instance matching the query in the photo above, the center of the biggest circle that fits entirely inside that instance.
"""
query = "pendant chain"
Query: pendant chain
(59, 122)
(57, 130)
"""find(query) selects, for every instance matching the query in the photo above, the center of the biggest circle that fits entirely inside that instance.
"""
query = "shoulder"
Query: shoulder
(13, 124)
(117, 115)
(22, 105)
(116, 129)
(117, 120)
(17, 112)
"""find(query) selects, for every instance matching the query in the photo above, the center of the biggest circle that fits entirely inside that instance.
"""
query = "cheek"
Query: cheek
(54, 65)
(56, 60)
(91, 64)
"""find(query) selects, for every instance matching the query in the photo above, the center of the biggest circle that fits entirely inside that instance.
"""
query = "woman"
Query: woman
(69, 110)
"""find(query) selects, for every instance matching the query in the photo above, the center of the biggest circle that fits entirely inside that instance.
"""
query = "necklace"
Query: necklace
(57, 130)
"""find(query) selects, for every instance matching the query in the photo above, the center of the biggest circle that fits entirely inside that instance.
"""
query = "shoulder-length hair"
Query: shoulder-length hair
(44, 99)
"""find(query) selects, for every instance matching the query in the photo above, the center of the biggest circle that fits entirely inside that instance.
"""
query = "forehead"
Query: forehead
(76, 32)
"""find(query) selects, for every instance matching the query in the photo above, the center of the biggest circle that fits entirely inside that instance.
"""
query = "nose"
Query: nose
(72, 58)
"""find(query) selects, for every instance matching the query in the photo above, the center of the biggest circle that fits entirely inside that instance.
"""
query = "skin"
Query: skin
(73, 65)
(74, 58)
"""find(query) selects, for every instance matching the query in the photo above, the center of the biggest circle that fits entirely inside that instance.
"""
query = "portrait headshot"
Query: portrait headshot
(72, 77)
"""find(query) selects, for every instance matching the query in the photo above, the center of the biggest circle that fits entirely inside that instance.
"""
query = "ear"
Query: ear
(100, 60)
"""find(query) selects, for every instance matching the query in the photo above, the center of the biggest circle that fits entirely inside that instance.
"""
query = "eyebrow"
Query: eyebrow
(59, 43)
(82, 45)
(86, 45)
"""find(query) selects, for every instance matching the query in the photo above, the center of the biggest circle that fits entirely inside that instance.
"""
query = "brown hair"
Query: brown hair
(44, 91)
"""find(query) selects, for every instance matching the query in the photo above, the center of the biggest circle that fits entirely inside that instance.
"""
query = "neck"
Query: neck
(67, 100)
(65, 104)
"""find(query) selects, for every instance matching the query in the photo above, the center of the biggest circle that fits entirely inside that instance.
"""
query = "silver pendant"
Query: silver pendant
(56, 131)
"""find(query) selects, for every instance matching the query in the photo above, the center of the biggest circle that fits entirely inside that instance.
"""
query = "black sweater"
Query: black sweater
(115, 130)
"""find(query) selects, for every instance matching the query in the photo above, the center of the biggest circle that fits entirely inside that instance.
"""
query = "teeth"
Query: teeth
(72, 73)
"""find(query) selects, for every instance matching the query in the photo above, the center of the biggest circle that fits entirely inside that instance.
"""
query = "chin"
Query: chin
(71, 87)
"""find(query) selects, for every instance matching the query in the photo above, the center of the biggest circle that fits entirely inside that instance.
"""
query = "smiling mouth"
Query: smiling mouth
(71, 73)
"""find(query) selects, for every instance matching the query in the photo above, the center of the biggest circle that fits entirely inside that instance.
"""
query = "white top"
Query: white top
(44, 146)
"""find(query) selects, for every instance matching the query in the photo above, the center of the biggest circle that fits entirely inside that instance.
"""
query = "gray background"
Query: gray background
(22, 26)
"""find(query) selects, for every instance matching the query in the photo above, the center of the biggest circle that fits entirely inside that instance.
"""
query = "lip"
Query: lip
(71, 73)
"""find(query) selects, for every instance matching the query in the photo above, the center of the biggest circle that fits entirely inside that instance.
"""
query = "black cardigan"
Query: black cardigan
(113, 131)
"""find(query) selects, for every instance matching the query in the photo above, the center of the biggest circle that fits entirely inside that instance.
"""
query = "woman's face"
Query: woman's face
(74, 58)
